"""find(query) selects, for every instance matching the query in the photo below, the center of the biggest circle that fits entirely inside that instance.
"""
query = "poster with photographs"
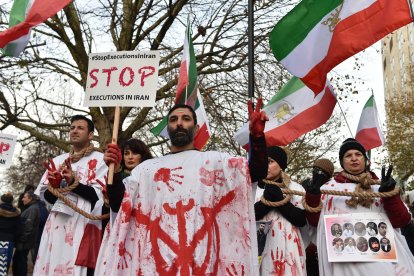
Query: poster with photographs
(361, 237)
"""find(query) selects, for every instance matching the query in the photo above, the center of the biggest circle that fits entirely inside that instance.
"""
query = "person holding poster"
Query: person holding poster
(357, 177)
(188, 212)
(59, 252)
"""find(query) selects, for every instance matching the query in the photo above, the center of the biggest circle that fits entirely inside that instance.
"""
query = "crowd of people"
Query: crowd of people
(194, 213)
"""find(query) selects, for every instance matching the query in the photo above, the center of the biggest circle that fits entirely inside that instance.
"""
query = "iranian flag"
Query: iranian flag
(39, 12)
(18, 13)
(317, 35)
(292, 112)
(369, 132)
(187, 93)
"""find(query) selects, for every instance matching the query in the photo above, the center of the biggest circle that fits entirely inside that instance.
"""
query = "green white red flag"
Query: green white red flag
(18, 13)
(317, 35)
(292, 112)
(39, 12)
(369, 132)
(187, 93)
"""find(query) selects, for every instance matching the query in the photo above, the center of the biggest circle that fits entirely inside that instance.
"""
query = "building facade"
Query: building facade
(397, 61)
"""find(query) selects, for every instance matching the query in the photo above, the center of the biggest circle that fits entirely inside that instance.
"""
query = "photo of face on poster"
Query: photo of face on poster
(362, 244)
(338, 245)
(348, 230)
(360, 229)
(382, 229)
(372, 229)
(385, 245)
(374, 245)
(336, 230)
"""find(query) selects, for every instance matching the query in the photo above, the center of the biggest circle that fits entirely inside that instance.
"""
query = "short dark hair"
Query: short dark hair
(136, 146)
(29, 187)
(176, 106)
(91, 126)
(31, 194)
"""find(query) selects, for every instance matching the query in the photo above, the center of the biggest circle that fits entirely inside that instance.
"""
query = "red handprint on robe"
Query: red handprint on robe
(69, 234)
(91, 170)
(232, 271)
(210, 178)
(239, 164)
(123, 253)
(279, 263)
(63, 269)
(167, 176)
(184, 249)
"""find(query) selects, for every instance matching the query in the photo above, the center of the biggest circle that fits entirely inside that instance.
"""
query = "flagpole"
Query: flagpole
(411, 9)
(343, 114)
(250, 49)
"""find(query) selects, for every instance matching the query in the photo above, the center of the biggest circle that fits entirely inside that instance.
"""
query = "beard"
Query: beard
(180, 136)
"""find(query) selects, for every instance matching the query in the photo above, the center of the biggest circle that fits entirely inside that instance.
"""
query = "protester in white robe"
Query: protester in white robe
(186, 213)
(284, 250)
(354, 161)
(64, 229)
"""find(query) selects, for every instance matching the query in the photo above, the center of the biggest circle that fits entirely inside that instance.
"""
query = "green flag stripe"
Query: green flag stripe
(192, 70)
(292, 29)
(18, 12)
(158, 129)
(370, 102)
(289, 88)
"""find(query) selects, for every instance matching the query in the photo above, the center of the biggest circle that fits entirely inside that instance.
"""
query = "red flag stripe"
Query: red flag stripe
(40, 12)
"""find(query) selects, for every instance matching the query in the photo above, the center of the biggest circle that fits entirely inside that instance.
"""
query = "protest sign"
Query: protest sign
(361, 237)
(7, 144)
(125, 78)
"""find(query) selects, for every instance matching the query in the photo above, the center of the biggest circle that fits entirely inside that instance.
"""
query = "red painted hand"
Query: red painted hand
(53, 175)
(257, 119)
(67, 172)
(113, 155)
(103, 185)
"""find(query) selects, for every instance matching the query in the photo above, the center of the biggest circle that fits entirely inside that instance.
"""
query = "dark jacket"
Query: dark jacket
(9, 222)
(44, 214)
(30, 227)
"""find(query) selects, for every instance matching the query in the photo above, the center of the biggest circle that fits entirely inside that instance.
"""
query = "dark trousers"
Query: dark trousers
(20, 262)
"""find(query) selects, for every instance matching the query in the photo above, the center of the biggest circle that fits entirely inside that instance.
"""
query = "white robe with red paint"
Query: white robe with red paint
(284, 252)
(336, 205)
(189, 213)
(62, 234)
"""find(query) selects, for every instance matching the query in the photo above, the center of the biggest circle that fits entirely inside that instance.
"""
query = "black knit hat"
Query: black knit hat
(348, 144)
(7, 198)
(279, 155)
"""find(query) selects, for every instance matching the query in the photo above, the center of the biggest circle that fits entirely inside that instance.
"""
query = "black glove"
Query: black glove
(319, 177)
(272, 193)
(387, 182)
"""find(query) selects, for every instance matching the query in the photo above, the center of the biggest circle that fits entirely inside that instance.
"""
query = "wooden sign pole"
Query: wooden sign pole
(114, 141)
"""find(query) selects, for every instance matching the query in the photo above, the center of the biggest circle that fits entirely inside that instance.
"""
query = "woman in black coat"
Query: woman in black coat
(9, 223)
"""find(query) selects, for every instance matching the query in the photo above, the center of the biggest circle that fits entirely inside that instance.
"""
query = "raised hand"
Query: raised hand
(387, 182)
(319, 177)
(67, 172)
(257, 119)
(113, 155)
(53, 175)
